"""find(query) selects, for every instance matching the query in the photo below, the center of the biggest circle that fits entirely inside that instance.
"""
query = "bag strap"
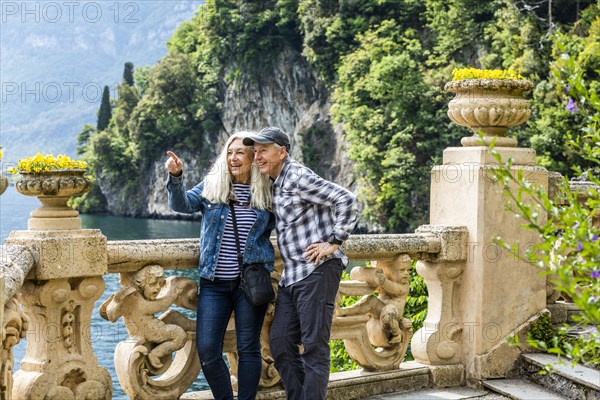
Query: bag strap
(240, 257)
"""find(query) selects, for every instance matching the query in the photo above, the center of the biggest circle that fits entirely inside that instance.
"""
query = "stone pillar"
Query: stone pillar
(58, 297)
(15, 264)
(439, 341)
(494, 294)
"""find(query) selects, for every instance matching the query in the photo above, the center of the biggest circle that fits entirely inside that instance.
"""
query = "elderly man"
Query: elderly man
(313, 217)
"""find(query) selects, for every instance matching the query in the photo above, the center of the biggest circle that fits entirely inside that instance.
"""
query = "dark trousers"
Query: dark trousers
(303, 315)
(216, 301)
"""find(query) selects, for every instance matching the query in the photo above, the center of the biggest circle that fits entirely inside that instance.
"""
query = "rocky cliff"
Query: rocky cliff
(289, 96)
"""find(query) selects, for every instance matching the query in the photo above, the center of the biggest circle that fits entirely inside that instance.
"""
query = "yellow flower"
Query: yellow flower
(461, 74)
(40, 163)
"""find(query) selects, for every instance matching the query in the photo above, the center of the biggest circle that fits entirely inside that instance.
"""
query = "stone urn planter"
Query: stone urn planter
(489, 106)
(53, 189)
(3, 184)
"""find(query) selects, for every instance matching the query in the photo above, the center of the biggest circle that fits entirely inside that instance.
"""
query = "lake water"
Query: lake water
(14, 212)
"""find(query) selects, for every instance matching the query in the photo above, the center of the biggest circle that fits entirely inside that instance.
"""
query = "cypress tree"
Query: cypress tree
(105, 112)
(128, 73)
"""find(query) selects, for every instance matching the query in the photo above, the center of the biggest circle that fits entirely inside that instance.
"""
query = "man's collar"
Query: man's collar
(284, 168)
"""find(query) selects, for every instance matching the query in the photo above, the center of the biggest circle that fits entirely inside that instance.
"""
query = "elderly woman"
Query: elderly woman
(235, 177)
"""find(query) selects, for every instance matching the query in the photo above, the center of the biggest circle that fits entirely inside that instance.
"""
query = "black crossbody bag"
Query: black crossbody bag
(256, 279)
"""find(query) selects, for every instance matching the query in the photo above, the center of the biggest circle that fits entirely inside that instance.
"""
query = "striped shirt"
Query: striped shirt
(308, 209)
(227, 263)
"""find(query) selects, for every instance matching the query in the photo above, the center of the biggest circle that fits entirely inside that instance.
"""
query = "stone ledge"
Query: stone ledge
(356, 384)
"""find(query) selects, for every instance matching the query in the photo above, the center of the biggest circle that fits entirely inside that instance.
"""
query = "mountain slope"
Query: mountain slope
(56, 57)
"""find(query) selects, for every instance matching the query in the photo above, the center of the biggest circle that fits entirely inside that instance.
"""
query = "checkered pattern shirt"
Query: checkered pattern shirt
(308, 209)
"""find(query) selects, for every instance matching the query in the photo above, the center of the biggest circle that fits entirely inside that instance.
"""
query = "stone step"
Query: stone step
(575, 382)
(457, 393)
(521, 389)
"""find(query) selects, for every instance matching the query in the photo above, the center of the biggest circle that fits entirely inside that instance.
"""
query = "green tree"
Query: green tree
(450, 23)
(331, 28)
(393, 119)
(83, 138)
(128, 74)
(140, 76)
(178, 108)
(560, 99)
(105, 111)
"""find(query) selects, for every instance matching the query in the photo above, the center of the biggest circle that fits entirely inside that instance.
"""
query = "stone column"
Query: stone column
(15, 264)
(58, 297)
(494, 293)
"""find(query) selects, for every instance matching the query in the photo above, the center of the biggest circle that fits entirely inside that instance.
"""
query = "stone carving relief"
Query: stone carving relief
(163, 345)
(59, 363)
(14, 328)
(374, 330)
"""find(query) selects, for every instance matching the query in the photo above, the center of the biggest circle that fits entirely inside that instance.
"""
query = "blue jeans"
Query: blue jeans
(216, 300)
(303, 314)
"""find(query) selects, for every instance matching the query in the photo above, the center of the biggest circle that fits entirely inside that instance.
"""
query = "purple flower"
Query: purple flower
(594, 238)
(579, 245)
(596, 274)
(568, 89)
(572, 106)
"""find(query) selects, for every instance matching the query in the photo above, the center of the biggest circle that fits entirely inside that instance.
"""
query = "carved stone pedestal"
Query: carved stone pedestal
(58, 298)
(492, 294)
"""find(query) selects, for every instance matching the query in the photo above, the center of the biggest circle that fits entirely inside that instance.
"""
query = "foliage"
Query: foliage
(557, 100)
(128, 74)
(543, 335)
(44, 163)
(459, 74)
(105, 112)
(90, 202)
(569, 250)
(390, 115)
(456, 30)
(1, 153)
(417, 300)
(140, 77)
(331, 29)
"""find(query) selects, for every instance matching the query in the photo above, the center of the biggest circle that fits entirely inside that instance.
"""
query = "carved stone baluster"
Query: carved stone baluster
(163, 345)
(377, 321)
(438, 342)
(59, 362)
(13, 327)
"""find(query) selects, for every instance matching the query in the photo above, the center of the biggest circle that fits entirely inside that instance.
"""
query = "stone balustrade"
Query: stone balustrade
(374, 330)
(64, 271)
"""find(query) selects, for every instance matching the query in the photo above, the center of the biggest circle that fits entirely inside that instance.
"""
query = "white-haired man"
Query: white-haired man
(313, 217)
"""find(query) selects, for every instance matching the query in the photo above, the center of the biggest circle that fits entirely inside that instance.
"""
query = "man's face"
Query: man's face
(269, 158)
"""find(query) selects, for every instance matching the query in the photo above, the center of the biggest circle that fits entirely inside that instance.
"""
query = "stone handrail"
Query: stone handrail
(132, 255)
(374, 330)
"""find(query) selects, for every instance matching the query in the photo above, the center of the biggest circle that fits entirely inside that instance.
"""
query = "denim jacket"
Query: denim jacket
(258, 248)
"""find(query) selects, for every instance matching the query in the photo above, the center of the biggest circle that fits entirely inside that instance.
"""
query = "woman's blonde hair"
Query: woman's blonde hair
(218, 183)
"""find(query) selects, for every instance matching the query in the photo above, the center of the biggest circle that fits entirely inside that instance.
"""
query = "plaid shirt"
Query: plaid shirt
(308, 209)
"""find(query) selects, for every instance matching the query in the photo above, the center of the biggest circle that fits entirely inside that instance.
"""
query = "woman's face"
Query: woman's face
(239, 161)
